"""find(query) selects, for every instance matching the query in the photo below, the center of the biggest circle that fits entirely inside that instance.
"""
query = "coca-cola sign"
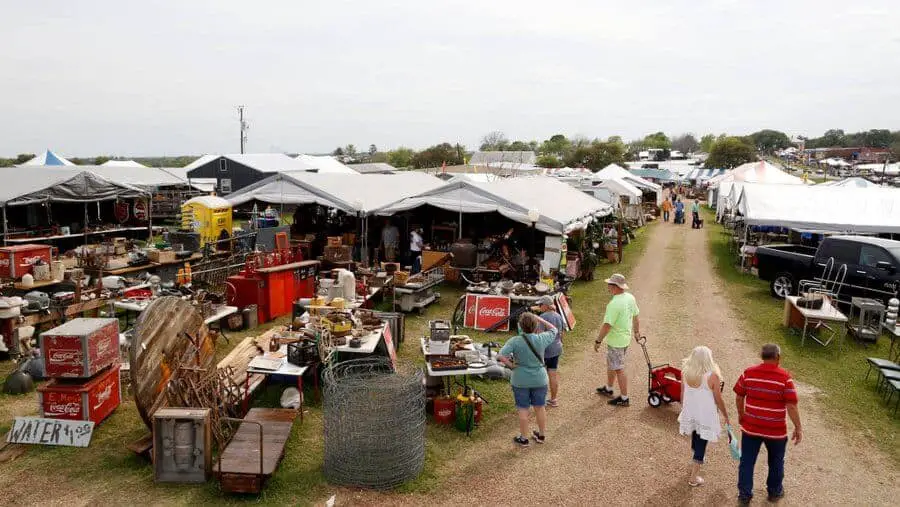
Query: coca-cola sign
(471, 306)
(491, 310)
(63, 410)
(65, 357)
(103, 396)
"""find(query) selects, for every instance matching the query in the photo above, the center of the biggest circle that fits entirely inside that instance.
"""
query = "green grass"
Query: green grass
(850, 401)
(108, 466)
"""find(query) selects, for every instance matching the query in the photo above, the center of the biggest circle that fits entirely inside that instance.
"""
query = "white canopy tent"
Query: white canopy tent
(839, 209)
(48, 158)
(559, 207)
(325, 164)
(141, 176)
(855, 182)
(615, 172)
(763, 172)
(122, 163)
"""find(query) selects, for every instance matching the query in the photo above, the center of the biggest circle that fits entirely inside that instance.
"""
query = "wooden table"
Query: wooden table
(144, 267)
(794, 316)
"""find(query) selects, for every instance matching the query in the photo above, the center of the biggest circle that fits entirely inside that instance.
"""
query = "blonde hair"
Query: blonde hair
(698, 364)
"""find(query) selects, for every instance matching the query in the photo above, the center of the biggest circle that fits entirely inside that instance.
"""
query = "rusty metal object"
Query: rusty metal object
(168, 336)
(255, 450)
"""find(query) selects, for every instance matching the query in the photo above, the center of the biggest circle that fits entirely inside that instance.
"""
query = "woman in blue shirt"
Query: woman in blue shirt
(524, 354)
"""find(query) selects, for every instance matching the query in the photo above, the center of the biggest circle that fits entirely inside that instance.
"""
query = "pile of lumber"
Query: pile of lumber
(239, 358)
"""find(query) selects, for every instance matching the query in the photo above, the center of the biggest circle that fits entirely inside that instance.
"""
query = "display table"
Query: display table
(802, 318)
(368, 344)
(415, 297)
(285, 370)
(894, 334)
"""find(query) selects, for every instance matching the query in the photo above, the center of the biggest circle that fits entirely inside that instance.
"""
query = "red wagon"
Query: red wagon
(664, 381)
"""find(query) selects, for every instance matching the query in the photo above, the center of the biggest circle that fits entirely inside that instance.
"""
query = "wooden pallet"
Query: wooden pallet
(256, 449)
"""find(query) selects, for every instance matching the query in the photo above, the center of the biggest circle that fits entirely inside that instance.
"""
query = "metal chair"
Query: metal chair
(830, 284)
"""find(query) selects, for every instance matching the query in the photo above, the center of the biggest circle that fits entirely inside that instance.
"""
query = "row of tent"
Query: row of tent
(559, 207)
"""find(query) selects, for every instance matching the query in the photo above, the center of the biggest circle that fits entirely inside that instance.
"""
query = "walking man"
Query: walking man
(547, 309)
(765, 395)
(619, 324)
(666, 209)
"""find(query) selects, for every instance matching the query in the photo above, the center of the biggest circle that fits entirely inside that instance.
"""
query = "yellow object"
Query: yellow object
(337, 303)
(208, 215)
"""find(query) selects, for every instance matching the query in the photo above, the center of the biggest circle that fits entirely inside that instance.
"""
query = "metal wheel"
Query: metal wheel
(654, 400)
(783, 285)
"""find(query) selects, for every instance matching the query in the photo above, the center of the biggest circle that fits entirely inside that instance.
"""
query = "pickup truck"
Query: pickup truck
(873, 266)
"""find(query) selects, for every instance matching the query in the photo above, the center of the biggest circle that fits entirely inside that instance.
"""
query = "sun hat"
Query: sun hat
(545, 300)
(617, 280)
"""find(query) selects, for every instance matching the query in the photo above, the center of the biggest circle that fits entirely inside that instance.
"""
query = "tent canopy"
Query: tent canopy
(140, 176)
(350, 193)
(325, 164)
(763, 172)
(48, 158)
(60, 184)
(560, 207)
(818, 207)
(855, 182)
(122, 163)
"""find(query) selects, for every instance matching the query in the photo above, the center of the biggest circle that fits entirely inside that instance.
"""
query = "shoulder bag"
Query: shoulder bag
(533, 350)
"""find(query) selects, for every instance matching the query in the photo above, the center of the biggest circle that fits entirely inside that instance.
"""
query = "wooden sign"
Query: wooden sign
(566, 311)
(36, 430)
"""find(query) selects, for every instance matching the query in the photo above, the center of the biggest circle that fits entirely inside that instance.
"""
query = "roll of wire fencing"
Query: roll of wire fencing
(374, 424)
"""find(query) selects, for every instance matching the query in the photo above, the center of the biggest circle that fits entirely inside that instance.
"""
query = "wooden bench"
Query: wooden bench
(255, 449)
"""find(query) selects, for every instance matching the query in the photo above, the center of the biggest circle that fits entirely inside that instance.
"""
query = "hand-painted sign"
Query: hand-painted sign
(35, 430)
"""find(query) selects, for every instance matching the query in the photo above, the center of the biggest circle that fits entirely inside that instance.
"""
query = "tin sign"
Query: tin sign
(491, 310)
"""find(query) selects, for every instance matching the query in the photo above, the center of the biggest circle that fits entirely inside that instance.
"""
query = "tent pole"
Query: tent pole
(84, 229)
(150, 219)
(4, 225)
(459, 233)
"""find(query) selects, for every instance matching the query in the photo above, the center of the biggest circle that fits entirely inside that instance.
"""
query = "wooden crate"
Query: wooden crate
(161, 256)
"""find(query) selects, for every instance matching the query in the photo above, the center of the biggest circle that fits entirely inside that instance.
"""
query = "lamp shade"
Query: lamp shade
(533, 215)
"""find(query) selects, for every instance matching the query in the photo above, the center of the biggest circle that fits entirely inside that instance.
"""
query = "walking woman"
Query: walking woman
(524, 354)
(701, 402)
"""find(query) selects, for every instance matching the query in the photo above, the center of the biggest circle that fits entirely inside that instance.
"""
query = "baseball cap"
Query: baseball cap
(618, 280)
(545, 300)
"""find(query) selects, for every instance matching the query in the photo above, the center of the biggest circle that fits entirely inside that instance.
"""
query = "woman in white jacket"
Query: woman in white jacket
(701, 402)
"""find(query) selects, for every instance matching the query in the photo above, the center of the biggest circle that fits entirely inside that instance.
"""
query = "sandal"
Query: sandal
(552, 403)
(697, 481)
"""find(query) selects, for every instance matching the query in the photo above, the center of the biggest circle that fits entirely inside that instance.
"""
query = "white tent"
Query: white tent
(855, 182)
(359, 193)
(60, 184)
(839, 209)
(325, 164)
(141, 176)
(48, 158)
(615, 172)
(881, 169)
(622, 188)
(559, 206)
(763, 172)
(122, 163)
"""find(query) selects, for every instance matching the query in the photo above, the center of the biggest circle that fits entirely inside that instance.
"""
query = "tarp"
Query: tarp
(48, 158)
(58, 184)
(656, 174)
(350, 193)
(818, 207)
(560, 207)
(141, 176)
(702, 175)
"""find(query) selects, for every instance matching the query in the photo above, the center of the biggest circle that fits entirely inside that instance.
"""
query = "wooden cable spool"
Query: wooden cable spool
(168, 336)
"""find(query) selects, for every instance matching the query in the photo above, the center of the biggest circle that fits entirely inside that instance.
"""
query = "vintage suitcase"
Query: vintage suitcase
(80, 348)
(92, 400)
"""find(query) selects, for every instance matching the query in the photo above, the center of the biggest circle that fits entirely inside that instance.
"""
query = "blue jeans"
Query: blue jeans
(775, 449)
(527, 397)
(698, 445)
(665, 216)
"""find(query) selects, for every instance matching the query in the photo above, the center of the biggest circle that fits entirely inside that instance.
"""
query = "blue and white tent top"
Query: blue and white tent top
(703, 174)
(47, 158)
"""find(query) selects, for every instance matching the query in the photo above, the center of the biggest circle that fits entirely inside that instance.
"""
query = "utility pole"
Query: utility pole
(244, 127)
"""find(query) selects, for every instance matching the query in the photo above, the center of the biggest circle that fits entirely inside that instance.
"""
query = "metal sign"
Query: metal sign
(36, 430)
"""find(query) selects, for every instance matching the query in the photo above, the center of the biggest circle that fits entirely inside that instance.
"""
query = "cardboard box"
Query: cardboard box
(335, 241)
(80, 348)
(16, 261)
(93, 400)
(338, 254)
(161, 256)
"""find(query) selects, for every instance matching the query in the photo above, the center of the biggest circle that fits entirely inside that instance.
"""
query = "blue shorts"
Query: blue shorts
(530, 396)
(552, 363)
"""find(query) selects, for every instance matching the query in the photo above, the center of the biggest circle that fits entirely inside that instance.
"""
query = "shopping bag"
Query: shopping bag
(733, 445)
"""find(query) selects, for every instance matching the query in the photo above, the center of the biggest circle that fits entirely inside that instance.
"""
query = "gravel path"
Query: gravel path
(596, 453)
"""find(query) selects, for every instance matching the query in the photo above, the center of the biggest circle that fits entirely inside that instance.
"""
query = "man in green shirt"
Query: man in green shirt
(620, 323)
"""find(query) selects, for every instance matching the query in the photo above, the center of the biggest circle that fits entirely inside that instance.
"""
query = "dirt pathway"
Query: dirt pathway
(596, 453)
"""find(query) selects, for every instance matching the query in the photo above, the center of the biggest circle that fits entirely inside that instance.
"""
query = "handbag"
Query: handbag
(539, 357)
(733, 445)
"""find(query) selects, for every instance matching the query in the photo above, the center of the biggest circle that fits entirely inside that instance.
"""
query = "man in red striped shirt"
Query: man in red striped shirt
(765, 395)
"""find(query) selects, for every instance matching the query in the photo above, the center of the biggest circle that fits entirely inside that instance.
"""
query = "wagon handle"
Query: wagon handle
(642, 341)
(242, 421)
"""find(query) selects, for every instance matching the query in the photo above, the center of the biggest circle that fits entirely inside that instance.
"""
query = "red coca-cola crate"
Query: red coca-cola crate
(80, 348)
(16, 261)
(92, 400)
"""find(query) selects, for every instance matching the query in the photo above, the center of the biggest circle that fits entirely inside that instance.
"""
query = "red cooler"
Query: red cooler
(80, 348)
(16, 261)
(93, 400)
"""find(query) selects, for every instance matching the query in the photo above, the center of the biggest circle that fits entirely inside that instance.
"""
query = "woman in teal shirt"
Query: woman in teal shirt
(524, 354)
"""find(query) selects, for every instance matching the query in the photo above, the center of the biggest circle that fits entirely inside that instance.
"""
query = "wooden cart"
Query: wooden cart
(255, 449)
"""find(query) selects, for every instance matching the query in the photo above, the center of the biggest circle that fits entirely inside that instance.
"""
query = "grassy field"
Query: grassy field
(839, 376)
(107, 467)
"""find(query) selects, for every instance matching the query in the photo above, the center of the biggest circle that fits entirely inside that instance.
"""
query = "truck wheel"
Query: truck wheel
(783, 285)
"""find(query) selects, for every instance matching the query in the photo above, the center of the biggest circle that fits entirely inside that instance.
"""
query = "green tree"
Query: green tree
(878, 138)
(549, 160)
(596, 155)
(401, 157)
(350, 150)
(657, 140)
(519, 146)
(831, 137)
(729, 153)
(494, 141)
(685, 143)
(437, 155)
(21, 158)
(373, 149)
(338, 152)
(895, 150)
(557, 145)
(768, 141)
(101, 160)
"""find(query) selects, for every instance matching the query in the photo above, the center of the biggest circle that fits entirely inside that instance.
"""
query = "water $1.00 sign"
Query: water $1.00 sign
(40, 431)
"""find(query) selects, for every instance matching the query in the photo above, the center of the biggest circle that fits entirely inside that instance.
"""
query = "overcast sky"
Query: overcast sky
(163, 78)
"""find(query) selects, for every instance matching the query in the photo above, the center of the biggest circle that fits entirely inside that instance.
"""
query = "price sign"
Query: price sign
(39, 431)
